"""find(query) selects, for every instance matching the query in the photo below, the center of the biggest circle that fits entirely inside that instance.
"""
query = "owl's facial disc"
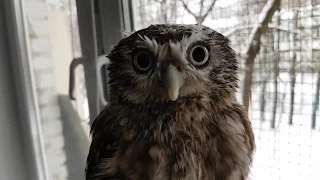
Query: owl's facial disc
(173, 81)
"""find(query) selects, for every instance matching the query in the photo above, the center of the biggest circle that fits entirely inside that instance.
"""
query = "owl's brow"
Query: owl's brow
(152, 44)
(182, 45)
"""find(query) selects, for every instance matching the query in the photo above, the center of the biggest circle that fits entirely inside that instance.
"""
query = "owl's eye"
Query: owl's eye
(142, 61)
(199, 55)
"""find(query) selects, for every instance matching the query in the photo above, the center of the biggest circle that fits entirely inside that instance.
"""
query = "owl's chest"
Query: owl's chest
(187, 144)
(184, 143)
(174, 123)
(179, 151)
(177, 145)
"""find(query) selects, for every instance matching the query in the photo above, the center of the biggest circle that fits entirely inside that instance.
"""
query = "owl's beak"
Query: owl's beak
(173, 80)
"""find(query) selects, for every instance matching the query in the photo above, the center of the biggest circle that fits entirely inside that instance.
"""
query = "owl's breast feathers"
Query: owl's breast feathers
(193, 138)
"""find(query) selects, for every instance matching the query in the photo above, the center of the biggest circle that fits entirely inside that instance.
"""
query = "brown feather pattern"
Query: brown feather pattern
(142, 135)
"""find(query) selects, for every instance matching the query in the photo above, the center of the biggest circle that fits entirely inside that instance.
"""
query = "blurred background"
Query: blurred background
(52, 77)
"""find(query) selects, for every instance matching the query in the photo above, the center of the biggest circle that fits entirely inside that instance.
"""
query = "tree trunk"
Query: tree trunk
(292, 87)
(276, 59)
(316, 102)
(293, 66)
(315, 105)
(263, 99)
(263, 82)
(173, 7)
(164, 11)
(142, 12)
(254, 47)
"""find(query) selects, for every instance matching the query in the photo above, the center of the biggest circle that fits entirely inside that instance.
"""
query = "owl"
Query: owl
(172, 112)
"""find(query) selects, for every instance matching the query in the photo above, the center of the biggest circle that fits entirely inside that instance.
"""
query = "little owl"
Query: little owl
(172, 113)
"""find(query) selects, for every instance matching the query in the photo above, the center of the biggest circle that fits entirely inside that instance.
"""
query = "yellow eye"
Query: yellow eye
(199, 55)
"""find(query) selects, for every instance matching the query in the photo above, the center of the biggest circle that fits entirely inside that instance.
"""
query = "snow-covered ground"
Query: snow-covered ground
(288, 151)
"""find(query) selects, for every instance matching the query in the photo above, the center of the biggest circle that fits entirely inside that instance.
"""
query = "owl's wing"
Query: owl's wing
(103, 146)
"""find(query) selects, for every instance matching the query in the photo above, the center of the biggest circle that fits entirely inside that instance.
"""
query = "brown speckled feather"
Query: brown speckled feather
(142, 135)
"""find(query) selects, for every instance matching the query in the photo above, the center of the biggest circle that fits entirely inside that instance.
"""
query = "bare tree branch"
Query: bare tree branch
(209, 10)
(201, 17)
(270, 26)
(201, 7)
(254, 45)
(299, 32)
(173, 7)
(187, 8)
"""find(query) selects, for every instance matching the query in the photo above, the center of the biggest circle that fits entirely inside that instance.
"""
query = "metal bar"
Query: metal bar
(107, 21)
(25, 89)
(72, 70)
(110, 15)
(87, 32)
(131, 18)
(112, 26)
(102, 87)
(126, 15)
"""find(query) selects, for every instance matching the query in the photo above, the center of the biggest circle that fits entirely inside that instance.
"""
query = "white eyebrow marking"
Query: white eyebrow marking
(178, 49)
(151, 43)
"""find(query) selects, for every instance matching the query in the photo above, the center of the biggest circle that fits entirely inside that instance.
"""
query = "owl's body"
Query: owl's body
(172, 113)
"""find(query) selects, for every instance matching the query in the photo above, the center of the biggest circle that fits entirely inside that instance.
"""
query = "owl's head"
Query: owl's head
(170, 62)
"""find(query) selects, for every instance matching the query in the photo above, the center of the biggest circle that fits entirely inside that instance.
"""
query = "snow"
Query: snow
(288, 152)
